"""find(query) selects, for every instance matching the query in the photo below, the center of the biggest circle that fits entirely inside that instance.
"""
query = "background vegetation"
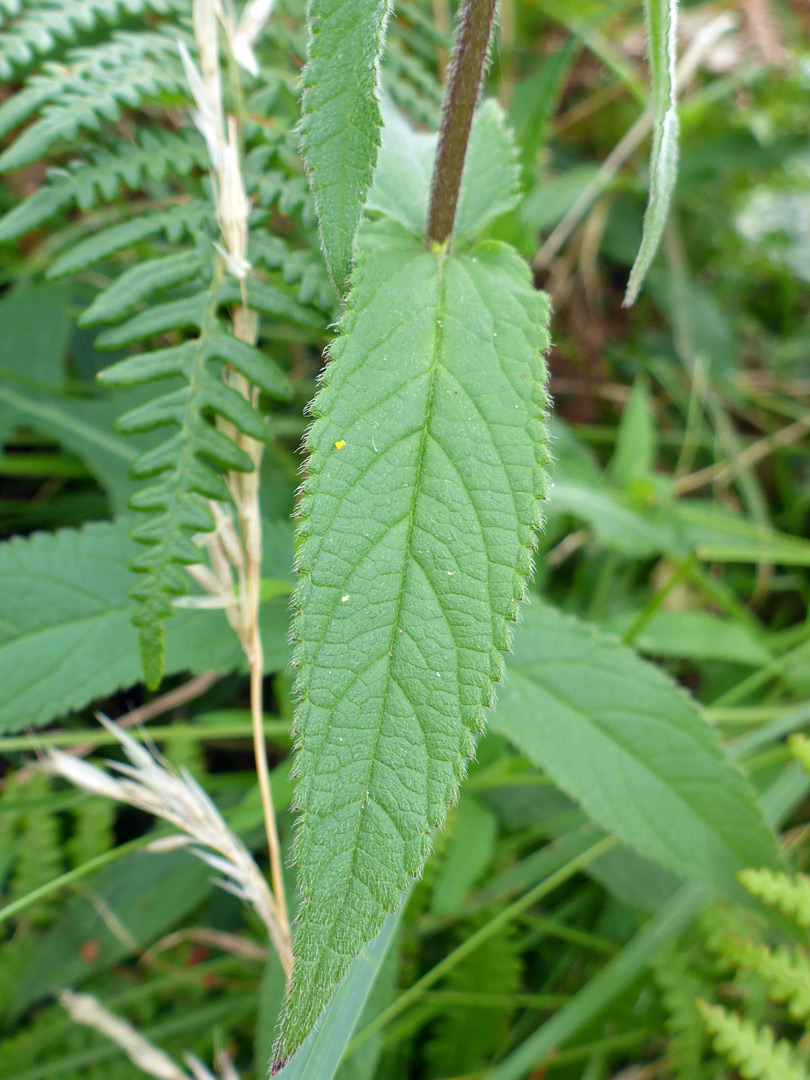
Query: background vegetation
(677, 523)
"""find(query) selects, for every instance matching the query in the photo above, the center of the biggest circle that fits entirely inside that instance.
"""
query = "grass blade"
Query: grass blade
(662, 34)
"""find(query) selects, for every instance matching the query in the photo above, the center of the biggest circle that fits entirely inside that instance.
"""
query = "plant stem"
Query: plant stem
(466, 69)
(245, 488)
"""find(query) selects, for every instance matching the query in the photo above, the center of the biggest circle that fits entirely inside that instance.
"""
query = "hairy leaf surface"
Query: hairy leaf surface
(426, 466)
(340, 127)
(622, 739)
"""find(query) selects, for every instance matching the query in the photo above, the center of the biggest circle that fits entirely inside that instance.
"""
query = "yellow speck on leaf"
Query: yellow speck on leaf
(340, 444)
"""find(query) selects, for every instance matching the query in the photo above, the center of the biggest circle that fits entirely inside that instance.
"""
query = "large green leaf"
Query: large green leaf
(66, 636)
(340, 127)
(426, 466)
(616, 734)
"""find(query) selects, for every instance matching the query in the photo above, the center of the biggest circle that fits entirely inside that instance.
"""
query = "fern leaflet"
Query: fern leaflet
(755, 1051)
(105, 175)
(103, 79)
(54, 22)
(790, 893)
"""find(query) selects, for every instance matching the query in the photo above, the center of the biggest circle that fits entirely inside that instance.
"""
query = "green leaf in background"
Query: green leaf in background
(84, 426)
(694, 635)
(469, 850)
(418, 525)
(66, 636)
(634, 456)
(340, 126)
(662, 27)
(778, 802)
(37, 327)
(489, 184)
(613, 523)
(628, 744)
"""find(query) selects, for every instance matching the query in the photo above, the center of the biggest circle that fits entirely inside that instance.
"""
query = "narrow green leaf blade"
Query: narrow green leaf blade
(426, 466)
(613, 732)
(340, 128)
(662, 21)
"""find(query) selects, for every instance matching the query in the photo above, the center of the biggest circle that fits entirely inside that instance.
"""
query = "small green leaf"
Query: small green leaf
(662, 31)
(37, 326)
(634, 457)
(340, 127)
(425, 472)
(471, 846)
(630, 746)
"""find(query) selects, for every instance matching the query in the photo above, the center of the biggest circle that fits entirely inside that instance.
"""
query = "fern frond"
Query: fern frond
(39, 857)
(123, 166)
(467, 1037)
(54, 23)
(785, 971)
(754, 1051)
(173, 223)
(790, 893)
(303, 269)
(190, 311)
(139, 283)
(94, 87)
(92, 830)
(679, 986)
(185, 468)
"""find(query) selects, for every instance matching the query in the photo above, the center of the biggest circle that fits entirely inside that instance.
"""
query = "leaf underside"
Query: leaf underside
(426, 467)
(340, 126)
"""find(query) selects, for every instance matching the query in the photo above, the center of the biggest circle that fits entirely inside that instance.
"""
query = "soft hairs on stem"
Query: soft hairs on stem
(466, 69)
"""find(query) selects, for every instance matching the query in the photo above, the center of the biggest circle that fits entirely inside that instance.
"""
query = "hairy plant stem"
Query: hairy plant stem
(466, 70)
